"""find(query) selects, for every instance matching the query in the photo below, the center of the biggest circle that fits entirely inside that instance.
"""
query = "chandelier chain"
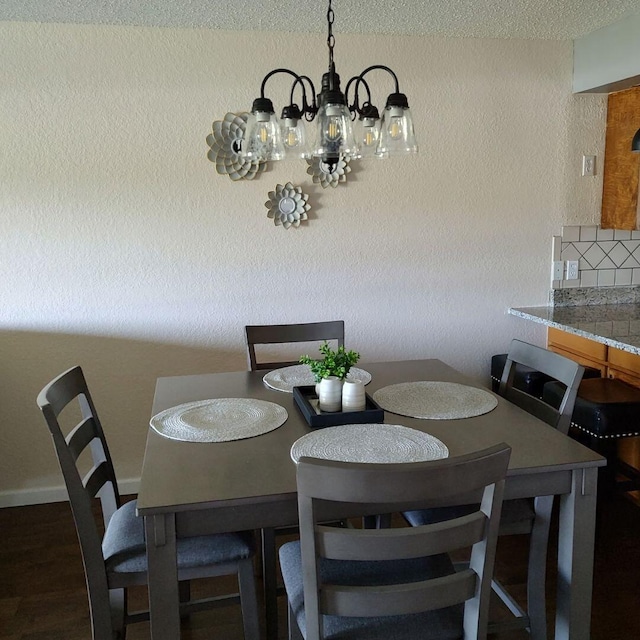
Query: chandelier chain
(330, 38)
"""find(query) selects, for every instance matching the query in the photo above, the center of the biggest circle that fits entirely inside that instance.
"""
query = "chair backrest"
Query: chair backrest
(474, 478)
(552, 364)
(284, 333)
(68, 389)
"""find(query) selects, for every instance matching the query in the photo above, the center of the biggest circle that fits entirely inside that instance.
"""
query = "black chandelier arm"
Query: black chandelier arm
(307, 109)
(298, 80)
(273, 73)
(360, 78)
(354, 108)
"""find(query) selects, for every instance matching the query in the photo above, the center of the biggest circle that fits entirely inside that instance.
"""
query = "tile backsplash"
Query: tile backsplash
(606, 257)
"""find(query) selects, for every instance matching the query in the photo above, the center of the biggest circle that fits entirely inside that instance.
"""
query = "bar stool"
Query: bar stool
(606, 410)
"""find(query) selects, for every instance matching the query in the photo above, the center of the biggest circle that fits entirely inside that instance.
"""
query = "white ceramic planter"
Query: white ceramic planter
(353, 396)
(330, 395)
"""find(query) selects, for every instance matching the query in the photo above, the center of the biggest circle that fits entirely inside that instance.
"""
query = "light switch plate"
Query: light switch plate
(588, 165)
(558, 270)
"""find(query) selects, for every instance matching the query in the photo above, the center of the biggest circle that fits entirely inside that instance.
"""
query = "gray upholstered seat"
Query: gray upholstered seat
(125, 551)
(445, 623)
(117, 559)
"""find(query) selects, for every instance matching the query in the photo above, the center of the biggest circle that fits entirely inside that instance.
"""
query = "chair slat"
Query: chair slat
(81, 436)
(556, 366)
(399, 599)
(97, 478)
(391, 544)
(403, 483)
(285, 333)
(62, 390)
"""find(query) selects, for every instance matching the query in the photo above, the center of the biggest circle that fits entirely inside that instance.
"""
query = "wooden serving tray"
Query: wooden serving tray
(307, 401)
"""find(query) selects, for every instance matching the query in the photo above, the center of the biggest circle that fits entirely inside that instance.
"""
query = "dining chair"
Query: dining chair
(289, 333)
(117, 559)
(269, 334)
(401, 582)
(528, 516)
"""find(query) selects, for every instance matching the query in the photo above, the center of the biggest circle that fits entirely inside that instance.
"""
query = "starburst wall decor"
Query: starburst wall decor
(326, 174)
(287, 205)
(225, 146)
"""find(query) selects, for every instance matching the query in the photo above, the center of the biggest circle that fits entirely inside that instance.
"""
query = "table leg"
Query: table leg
(575, 556)
(164, 605)
(270, 582)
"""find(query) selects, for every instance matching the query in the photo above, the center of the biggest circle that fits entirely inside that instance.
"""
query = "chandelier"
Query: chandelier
(336, 135)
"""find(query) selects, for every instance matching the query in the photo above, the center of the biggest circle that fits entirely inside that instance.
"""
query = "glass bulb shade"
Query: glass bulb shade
(294, 137)
(396, 133)
(263, 138)
(367, 136)
(335, 132)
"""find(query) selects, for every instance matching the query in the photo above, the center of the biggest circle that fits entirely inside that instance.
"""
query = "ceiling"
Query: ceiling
(538, 19)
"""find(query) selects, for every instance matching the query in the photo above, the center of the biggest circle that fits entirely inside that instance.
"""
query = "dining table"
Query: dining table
(198, 488)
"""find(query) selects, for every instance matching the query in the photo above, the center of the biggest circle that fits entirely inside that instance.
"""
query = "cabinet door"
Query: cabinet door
(620, 175)
(624, 365)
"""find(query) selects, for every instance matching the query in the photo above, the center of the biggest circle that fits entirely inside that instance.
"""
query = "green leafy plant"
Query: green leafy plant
(335, 363)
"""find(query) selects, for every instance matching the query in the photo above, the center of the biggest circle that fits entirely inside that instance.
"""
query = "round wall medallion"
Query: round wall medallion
(327, 174)
(226, 143)
(287, 205)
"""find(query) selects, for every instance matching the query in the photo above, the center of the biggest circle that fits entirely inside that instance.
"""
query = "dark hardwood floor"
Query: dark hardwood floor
(43, 597)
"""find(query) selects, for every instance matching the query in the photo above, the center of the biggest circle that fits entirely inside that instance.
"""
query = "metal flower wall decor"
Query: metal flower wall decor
(327, 174)
(226, 142)
(287, 205)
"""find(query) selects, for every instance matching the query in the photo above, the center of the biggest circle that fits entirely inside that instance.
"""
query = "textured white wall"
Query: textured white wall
(123, 251)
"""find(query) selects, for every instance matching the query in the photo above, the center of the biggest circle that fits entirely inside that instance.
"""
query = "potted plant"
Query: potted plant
(334, 363)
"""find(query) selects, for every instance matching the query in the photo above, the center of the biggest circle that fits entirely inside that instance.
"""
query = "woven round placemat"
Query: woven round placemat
(435, 400)
(219, 420)
(299, 375)
(385, 443)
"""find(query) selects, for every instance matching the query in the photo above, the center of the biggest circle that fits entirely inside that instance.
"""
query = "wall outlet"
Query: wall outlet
(572, 270)
(558, 270)
(588, 165)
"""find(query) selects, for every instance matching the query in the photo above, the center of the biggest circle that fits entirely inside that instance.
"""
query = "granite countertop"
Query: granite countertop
(616, 325)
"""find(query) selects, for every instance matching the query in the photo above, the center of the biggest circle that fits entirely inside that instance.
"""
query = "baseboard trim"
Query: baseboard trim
(45, 495)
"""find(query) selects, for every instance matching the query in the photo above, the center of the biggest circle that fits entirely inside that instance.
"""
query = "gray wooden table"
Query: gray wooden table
(194, 488)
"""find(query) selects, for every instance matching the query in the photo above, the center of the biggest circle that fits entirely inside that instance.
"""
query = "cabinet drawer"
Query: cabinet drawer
(584, 361)
(624, 360)
(577, 344)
